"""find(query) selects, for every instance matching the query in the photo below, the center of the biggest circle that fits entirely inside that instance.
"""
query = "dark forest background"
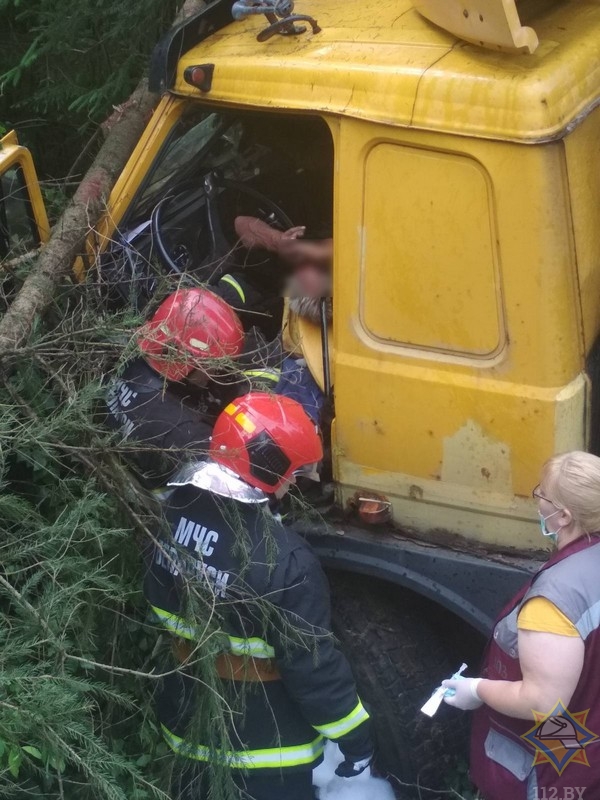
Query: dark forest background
(64, 65)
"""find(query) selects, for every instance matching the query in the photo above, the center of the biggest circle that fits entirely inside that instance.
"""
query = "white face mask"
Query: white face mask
(553, 535)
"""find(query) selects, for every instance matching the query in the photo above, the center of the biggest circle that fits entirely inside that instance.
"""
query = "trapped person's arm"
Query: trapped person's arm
(253, 232)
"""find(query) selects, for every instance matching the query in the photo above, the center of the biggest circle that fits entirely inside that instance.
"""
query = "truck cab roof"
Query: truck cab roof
(389, 64)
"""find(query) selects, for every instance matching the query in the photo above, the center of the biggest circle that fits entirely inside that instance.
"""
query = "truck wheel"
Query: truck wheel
(401, 646)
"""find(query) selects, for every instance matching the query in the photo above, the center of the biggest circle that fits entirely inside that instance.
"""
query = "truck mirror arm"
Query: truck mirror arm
(279, 13)
(287, 28)
(180, 39)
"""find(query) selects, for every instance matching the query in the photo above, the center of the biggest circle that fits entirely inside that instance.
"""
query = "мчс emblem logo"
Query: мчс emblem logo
(560, 737)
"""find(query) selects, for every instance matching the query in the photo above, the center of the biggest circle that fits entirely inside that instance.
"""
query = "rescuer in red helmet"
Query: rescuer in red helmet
(267, 588)
(157, 402)
(190, 327)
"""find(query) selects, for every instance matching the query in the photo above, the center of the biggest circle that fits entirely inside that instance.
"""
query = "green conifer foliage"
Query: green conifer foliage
(80, 659)
(65, 64)
(73, 710)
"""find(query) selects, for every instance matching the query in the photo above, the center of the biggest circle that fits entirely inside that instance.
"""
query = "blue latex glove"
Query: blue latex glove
(462, 693)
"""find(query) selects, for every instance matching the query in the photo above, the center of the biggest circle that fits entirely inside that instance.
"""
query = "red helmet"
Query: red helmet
(188, 325)
(265, 438)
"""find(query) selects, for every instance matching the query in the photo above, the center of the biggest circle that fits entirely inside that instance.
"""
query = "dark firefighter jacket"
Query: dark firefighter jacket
(284, 720)
(255, 292)
(164, 423)
(168, 423)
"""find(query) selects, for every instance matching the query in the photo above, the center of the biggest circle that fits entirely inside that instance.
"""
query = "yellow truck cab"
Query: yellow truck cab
(454, 148)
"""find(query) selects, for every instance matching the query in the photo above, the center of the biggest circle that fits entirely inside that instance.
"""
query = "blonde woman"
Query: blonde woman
(545, 649)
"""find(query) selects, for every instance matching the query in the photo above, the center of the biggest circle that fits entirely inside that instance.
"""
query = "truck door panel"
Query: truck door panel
(458, 348)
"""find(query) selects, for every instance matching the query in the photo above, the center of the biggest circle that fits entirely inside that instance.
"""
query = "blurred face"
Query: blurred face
(311, 268)
(212, 369)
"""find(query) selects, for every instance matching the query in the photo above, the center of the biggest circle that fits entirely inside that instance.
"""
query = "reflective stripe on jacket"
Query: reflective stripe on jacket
(254, 647)
(316, 692)
(334, 730)
(274, 757)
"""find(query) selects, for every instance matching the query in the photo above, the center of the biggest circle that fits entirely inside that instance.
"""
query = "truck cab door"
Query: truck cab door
(23, 220)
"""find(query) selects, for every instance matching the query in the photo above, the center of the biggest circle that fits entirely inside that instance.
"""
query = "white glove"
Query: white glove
(464, 695)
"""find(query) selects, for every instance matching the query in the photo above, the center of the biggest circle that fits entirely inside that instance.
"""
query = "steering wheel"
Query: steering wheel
(176, 259)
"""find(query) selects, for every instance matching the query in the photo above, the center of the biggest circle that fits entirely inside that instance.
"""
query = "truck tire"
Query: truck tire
(401, 646)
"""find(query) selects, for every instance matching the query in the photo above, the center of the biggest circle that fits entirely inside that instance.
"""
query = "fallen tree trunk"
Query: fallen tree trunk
(82, 213)
(67, 241)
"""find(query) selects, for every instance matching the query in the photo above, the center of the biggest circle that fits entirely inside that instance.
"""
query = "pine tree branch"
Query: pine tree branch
(105, 475)
(81, 214)
(87, 661)
(75, 757)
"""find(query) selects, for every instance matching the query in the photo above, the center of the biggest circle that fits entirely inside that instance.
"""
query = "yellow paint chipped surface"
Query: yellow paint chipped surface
(387, 63)
(472, 458)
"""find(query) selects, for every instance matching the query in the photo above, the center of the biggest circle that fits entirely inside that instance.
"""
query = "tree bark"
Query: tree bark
(54, 263)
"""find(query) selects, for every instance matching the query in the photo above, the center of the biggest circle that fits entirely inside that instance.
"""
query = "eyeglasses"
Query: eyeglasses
(537, 495)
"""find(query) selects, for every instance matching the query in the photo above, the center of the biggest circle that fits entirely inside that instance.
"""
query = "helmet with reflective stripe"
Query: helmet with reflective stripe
(191, 324)
(265, 438)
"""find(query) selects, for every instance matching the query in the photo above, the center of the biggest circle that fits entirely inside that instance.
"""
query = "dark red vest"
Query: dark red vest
(501, 761)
